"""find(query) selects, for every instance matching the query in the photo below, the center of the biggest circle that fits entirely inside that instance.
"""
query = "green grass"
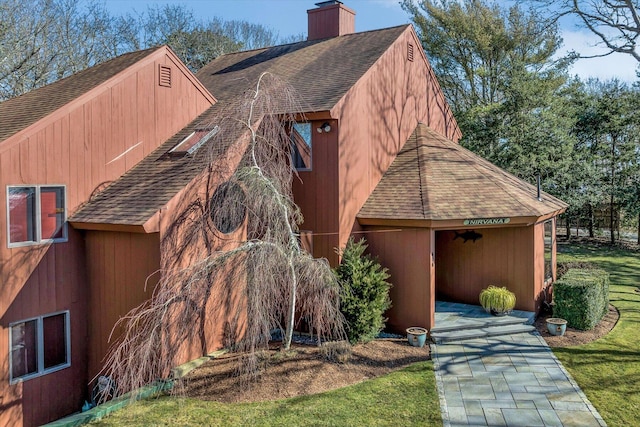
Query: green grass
(407, 397)
(608, 370)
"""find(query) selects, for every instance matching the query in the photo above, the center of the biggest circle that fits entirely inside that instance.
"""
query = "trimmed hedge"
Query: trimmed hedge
(581, 297)
(565, 266)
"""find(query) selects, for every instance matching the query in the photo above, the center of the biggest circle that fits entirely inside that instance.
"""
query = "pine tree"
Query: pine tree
(364, 292)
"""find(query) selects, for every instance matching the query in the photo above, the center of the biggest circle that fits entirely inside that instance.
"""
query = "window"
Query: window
(228, 207)
(301, 146)
(190, 144)
(39, 346)
(548, 250)
(37, 214)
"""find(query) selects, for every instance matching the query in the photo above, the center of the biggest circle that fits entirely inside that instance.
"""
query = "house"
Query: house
(99, 167)
(59, 145)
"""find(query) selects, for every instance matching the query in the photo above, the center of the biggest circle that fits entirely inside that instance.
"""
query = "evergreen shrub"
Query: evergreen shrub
(364, 292)
(581, 297)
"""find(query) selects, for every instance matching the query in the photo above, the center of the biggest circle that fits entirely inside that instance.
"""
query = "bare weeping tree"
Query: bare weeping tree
(236, 259)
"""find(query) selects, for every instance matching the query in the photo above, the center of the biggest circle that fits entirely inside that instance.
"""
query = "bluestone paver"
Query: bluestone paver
(511, 380)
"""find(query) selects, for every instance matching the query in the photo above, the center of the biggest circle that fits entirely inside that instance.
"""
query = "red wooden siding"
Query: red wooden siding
(187, 240)
(84, 145)
(120, 264)
(502, 257)
(407, 253)
(375, 119)
(53, 280)
(316, 192)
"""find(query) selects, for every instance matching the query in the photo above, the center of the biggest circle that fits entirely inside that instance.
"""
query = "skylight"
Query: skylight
(193, 142)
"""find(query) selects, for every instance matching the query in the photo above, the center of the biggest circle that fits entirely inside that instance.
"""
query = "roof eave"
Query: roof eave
(457, 223)
(95, 226)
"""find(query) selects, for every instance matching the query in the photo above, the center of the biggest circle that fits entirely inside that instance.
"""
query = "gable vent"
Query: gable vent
(164, 75)
(410, 52)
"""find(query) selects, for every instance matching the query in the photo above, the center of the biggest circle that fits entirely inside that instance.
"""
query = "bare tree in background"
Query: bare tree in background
(615, 22)
(243, 250)
(42, 41)
(197, 41)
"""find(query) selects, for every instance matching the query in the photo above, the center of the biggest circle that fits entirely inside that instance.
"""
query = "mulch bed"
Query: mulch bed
(573, 336)
(303, 370)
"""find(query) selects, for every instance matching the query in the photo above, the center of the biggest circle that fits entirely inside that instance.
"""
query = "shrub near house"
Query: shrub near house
(581, 297)
(364, 292)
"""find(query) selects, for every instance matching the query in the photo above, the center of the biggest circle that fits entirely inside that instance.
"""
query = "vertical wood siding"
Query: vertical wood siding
(83, 146)
(57, 282)
(502, 257)
(120, 264)
(407, 253)
(316, 193)
(185, 241)
(375, 119)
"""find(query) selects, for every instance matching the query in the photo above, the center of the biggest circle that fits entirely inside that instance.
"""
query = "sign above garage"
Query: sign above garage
(487, 221)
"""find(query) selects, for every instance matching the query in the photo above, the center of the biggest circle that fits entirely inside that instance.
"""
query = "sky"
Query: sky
(289, 17)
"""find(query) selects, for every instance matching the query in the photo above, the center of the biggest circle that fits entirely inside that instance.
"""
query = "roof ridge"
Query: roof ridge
(419, 156)
(240, 52)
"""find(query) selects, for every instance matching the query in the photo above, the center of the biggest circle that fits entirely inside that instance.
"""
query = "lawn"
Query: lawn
(608, 370)
(407, 397)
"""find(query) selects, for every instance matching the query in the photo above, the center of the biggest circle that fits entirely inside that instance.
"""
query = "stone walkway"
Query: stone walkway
(511, 380)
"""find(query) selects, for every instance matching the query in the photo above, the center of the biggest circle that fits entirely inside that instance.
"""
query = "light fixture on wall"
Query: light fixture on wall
(326, 127)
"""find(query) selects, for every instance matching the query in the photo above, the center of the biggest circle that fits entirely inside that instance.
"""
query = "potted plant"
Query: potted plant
(417, 336)
(556, 326)
(497, 301)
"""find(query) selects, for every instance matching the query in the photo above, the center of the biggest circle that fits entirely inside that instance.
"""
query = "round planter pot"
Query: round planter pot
(556, 326)
(500, 313)
(417, 336)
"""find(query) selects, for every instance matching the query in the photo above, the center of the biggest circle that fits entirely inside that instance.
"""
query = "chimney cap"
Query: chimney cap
(328, 3)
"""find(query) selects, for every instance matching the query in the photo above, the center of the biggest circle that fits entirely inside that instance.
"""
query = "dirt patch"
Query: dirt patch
(301, 371)
(574, 336)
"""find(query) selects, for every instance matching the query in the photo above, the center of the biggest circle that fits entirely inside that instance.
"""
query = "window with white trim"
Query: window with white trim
(36, 214)
(39, 346)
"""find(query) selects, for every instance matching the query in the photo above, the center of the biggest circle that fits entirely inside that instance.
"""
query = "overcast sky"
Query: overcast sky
(289, 17)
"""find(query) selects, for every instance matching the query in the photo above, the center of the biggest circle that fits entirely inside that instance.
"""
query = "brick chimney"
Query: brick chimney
(330, 19)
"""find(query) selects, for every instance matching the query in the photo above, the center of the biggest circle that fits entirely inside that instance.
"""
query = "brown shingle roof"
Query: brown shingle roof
(322, 71)
(20, 112)
(433, 178)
